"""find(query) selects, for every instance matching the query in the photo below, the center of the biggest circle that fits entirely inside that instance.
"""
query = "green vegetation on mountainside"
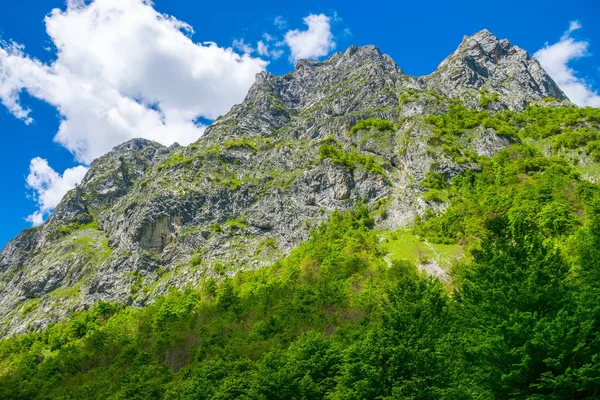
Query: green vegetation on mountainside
(518, 179)
(331, 149)
(378, 124)
(347, 315)
(560, 128)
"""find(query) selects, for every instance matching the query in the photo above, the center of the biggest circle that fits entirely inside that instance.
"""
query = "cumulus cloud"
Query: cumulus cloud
(555, 60)
(123, 70)
(49, 186)
(314, 42)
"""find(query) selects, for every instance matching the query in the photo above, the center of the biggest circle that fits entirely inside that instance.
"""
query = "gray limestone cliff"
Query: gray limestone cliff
(147, 218)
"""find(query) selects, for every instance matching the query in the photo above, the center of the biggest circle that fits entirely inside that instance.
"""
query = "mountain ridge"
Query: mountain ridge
(147, 217)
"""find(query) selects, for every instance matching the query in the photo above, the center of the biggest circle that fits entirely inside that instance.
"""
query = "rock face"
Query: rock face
(146, 217)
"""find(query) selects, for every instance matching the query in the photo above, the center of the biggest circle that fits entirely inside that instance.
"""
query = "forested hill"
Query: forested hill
(347, 232)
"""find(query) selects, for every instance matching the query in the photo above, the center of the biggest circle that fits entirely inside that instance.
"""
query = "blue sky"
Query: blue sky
(100, 73)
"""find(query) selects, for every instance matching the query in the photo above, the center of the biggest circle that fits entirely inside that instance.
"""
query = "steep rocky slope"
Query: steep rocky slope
(147, 218)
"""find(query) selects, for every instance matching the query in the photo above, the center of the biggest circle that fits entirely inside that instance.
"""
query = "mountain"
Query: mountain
(147, 218)
(346, 232)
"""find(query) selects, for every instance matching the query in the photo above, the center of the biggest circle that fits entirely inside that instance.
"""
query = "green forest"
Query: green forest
(338, 319)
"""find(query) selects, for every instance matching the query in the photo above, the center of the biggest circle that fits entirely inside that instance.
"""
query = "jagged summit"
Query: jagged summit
(135, 144)
(360, 55)
(368, 50)
(362, 75)
(345, 83)
(483, 46)
(483, 62)
(362, 78)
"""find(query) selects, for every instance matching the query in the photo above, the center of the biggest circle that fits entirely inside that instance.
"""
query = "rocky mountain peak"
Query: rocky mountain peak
(109, 177)
(134, 145)
(484, 47)
(355, 55)
(360, 55)
(132, 151)
(353, 81)
(483, 62)
(127, 160)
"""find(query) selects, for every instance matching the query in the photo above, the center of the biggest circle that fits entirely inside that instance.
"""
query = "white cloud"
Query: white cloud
(123, 70)
(555, 59)
(49, 186)
(314, 42)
